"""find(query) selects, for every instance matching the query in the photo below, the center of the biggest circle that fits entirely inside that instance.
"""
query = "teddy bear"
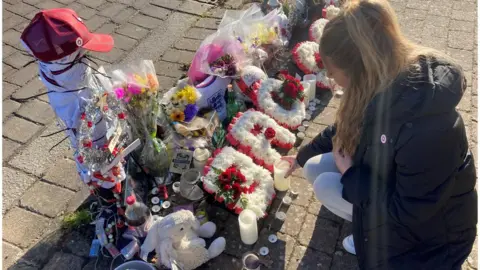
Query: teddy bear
(177, 240)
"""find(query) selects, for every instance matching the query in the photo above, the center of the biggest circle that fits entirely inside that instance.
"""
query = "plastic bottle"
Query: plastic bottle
(234, 104)
(138, 217)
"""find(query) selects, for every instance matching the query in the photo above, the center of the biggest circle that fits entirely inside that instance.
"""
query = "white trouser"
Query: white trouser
(322, 172)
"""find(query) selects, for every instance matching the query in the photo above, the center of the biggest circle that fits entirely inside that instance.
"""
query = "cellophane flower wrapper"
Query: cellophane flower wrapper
(137, 86)
(220, 54)
(262, 36)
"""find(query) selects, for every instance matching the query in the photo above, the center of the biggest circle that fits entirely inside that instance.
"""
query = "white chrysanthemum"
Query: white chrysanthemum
(316, 29)
(332, 11)
(304, 54)
(291, 118)
(260, 146)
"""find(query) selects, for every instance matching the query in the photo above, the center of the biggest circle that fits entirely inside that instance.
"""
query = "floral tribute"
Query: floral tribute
(307, 57)
(249, 82)
(182, 106)
(282, 100)
(238, 182)
(316, 30)
(253, 133)
(224, 66)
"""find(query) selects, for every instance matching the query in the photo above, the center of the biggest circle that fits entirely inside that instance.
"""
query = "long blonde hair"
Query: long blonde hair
(365, 41)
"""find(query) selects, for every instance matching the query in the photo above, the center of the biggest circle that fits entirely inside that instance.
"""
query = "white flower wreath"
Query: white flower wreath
(257, 201)
(258, 146)
(316, 30)
(287, 118)
(304, 56)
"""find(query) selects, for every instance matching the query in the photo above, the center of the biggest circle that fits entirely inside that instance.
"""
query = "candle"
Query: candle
(312, 80)
(308, 116)
(312, 103)
(280, 168)
(305, 124)
(200, 157)
(306, 92)
(301, 135)
(287, 200)
(301, 128)
(312, 108)
(247, 220)
(176, 187)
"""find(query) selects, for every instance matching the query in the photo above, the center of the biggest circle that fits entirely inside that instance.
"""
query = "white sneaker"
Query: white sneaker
(348, 244)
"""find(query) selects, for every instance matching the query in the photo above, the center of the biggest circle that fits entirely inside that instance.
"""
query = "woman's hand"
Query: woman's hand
(293, 164)
(343, 161)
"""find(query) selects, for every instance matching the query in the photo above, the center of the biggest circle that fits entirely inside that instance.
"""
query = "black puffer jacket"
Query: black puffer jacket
(412, 184)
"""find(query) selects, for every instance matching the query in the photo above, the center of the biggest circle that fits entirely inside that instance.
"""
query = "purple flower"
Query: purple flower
(190, 111)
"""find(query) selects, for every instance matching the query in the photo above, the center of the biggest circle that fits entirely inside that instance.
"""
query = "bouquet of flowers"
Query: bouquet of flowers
(182, 105)
(238, 182)
(137, 87)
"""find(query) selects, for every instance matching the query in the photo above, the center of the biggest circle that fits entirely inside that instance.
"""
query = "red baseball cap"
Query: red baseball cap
(55, 33)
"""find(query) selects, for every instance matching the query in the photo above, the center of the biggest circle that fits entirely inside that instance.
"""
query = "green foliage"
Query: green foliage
(76, 219)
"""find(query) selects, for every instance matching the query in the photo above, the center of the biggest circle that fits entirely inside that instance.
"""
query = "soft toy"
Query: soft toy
(176, 240)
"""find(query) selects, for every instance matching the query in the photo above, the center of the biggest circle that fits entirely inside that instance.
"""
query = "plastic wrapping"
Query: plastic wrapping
(243, 38)
(137, 86)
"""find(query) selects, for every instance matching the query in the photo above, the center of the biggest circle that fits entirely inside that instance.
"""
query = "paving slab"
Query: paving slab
(37, 156)
(280, 251)
(62, 261)
(46, 199)
(25, 233)
(319, 234)
(19, 129)
(9, 148)
(8, 107)
(64, 173)
(37, 111)
(14, 184)
(304, 258)
(10, 254)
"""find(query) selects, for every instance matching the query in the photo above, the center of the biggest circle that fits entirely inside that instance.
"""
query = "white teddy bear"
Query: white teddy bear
(176, 240)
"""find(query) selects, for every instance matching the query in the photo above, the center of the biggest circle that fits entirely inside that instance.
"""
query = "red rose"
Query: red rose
(231, 205)
(227, 187)
(291, 90)
(270, 133)
(241, 177)
(244, 189)
(237, 186)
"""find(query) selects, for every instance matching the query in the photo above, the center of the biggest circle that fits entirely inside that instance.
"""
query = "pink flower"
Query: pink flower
(134, 89)
(119, 92)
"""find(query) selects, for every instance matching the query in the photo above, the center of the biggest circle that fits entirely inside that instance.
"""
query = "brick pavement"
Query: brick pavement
(40, 186)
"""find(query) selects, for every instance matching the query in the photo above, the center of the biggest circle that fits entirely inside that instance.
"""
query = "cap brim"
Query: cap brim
(99, 43)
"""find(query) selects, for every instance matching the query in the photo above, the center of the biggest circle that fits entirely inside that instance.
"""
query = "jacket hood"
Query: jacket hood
(432, 87)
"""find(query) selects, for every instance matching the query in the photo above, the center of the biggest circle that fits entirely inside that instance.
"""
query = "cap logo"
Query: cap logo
(383, 138)
(79, 42)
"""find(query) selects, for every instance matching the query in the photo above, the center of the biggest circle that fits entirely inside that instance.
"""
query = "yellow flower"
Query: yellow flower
(140, 80)
(177, 116)
(179, 95)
